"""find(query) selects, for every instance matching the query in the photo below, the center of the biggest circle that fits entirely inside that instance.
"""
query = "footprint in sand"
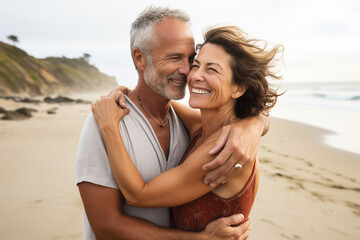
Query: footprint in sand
(35, 201)
(292, 237)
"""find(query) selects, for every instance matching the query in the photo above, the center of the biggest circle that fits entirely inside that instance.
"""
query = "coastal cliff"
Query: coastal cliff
(22, 73)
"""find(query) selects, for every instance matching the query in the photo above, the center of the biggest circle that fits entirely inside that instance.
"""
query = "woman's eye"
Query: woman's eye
(212, 69)
(194, 66)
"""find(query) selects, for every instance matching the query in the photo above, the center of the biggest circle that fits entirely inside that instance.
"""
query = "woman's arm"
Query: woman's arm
(174, 187)
(190, 117)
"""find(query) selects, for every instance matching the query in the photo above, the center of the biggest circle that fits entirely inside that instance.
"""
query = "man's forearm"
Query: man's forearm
(103, 208)
(125, 227)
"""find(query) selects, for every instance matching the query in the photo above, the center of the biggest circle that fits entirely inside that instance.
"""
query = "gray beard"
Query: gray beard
(154, 81)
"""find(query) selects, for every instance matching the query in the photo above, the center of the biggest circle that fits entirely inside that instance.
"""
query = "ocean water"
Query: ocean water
(332, 106)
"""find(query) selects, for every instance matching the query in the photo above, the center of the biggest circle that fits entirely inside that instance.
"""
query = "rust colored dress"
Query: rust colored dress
(195, 215)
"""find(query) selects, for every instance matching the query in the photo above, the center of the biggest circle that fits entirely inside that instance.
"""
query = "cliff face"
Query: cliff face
(22, 73)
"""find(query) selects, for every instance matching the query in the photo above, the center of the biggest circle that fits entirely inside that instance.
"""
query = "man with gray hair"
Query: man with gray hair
(162, 47)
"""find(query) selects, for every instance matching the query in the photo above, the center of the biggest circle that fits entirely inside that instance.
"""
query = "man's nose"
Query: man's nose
(185, 67)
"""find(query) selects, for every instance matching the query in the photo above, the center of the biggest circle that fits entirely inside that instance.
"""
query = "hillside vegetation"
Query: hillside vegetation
(22, 73)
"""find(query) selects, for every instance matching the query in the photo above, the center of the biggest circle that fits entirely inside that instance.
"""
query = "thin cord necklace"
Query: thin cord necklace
(143, 107)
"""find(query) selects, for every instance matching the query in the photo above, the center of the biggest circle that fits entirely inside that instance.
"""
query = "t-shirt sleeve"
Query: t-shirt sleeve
(92, 164)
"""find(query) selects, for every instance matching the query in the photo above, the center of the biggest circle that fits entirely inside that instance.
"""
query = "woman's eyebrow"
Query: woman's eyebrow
(210, 63)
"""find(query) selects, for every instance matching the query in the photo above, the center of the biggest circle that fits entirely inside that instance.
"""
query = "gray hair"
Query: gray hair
(141, 33)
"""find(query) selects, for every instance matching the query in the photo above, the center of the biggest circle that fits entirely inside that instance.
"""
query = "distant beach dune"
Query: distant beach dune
(308, 190)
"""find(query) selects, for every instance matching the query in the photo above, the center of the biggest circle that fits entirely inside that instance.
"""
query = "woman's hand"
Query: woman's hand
(119, 94)
(107, 112)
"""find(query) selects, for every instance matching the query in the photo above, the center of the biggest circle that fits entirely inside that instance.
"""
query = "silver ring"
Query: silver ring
(238, 166)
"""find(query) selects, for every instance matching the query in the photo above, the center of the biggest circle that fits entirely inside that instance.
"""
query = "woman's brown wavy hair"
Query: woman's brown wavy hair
(251, 65)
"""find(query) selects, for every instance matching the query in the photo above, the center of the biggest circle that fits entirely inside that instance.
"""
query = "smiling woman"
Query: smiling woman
(210, 80)
(249, 65)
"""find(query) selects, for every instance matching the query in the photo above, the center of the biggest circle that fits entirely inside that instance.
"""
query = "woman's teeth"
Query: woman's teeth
(199, 91)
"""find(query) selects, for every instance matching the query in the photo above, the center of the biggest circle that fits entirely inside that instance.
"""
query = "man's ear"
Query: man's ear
(139, 59)
(238, 91)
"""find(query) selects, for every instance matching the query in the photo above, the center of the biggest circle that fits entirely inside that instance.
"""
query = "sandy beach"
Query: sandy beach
(308, 190)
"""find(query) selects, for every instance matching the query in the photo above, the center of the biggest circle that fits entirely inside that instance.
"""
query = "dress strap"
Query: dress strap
(193, 140)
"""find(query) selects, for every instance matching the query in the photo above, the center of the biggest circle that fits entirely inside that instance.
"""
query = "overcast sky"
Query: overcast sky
(321, 37)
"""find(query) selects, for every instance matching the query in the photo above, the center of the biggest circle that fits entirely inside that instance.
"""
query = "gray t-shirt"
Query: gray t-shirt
(92, 164)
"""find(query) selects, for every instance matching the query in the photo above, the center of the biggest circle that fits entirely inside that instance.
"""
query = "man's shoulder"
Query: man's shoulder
(92, 163)
(90, 123)
(90, 135)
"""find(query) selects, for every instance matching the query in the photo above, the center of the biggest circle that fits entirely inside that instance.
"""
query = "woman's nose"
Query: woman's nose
(197, 75)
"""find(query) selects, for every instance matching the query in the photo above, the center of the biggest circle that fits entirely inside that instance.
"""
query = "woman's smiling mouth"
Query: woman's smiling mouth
(199, 91)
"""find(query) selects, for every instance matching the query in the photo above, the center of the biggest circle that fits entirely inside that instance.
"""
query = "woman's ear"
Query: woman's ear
(239, 90)
(139, 59)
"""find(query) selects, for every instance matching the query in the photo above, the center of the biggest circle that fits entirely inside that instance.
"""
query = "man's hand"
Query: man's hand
(223, 228)
(238, 144)
(119, 93)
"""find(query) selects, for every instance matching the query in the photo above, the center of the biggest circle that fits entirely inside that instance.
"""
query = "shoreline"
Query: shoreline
(341, 121)
(308, 190)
